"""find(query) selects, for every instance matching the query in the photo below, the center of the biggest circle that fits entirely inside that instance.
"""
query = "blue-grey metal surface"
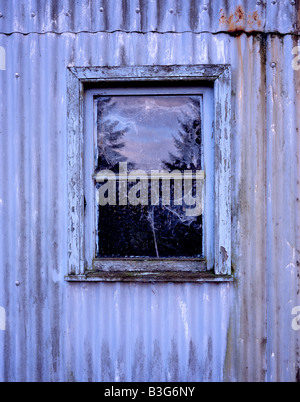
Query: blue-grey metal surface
(149, 16)
(60, 331)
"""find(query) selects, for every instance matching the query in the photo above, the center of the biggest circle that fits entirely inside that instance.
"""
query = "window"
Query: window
(149, 170)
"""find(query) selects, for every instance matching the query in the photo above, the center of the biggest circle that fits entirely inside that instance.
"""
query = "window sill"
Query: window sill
(150, 277)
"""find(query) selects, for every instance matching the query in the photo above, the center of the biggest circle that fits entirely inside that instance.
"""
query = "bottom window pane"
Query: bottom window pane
(147, 231)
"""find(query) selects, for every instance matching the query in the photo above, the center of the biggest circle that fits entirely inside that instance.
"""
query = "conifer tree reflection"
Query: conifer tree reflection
(123, 231)
(148, 231)
(110, 138)
(176, 223)
(187, 142)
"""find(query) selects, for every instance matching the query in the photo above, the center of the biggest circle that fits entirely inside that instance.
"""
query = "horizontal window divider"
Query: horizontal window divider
(102, 176)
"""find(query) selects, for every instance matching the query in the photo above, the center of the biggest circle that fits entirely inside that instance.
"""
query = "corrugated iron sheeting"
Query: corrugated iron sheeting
(282, 209)
(75, 332)
(148, 16)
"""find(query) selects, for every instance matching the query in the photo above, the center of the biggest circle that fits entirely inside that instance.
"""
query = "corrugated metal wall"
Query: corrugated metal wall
(75, 332)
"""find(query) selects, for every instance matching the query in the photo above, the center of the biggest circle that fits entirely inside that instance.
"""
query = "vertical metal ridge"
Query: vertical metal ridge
(283, 167)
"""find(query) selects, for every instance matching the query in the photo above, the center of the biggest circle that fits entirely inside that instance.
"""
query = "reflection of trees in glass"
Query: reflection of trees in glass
(188, 145)
(110, 137)
(188, 142)
(148, 231)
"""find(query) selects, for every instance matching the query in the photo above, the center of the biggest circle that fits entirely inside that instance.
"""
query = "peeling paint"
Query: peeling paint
(224, 254)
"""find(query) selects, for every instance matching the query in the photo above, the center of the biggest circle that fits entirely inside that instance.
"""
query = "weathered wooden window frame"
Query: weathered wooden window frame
(79, 79)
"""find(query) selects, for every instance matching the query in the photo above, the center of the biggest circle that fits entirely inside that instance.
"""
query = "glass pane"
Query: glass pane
(149, 155)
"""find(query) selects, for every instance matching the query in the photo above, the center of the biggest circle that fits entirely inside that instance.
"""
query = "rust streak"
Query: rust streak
(237, 20)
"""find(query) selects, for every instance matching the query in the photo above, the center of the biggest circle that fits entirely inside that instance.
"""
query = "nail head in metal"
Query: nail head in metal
(137, 10)
(18, 283)
(101, 9)
(205, 8)
(1, 15)
(172, 11)
(33, 14)
(273, 65)
(17, 75)
(274, 2)
(293, 3)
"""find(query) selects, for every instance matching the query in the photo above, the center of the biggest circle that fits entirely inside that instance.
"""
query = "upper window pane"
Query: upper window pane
(137, 134)
(150, 133)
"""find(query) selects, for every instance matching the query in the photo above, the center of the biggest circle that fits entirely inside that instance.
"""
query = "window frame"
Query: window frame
(165, 270)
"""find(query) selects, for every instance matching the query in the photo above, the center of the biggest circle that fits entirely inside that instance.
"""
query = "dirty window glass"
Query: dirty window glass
(148, 176)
